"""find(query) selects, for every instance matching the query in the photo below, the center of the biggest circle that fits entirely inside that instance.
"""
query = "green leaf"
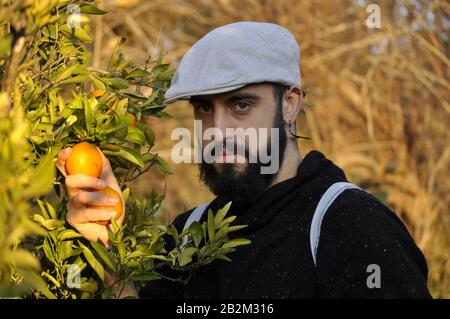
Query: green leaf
(51, 211)
(211, 226)
(117, 83)
(113, 60)
(71, 120)
(236, 242)
(65, 249)
(48, 251)
(43, 210)
(52, 235)
(90, 9)
(89, 286)
(160, 257)
(135, 135)
(5, 44)
(15, 290)
(235, 228)
(66, 72)
(104, 255)
(196, 231)
(126, 194)
(68, 234)
(162, 164)
(146, 276)
(160, 68)
(110, 147)
(87, 115)
(135, 254)
(98, 82)
(81, 264)
(221, 214)
(38, 218)
(138, 73)
(148, 132)
(165, 76)
(51, 105)
(76, 252)
(22, 258)
(93, 262)
(49, 224)
(78, 79)
(131, 155)
(186, 256)
(224, 258)
(51, 279)
(172, 230)
(222, 233)
(121, 250)
(40, 179)
(36, 281)
(163, 115)
(137, 96)
(76, 32)
(119, 131)
(227, 220)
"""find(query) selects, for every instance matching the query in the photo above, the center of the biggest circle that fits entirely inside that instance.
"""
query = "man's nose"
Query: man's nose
(220, 122)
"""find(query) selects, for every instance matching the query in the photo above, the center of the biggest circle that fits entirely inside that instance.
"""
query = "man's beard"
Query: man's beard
(229, 184)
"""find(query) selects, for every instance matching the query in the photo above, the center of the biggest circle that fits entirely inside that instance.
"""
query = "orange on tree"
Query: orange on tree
(143, 119)
(99, 92)
(118, 207)
(132, 121)
(85, 159)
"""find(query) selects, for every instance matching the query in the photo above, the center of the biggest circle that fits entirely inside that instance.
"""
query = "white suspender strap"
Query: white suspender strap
(195, 216)
(314, 234)
(325, 202)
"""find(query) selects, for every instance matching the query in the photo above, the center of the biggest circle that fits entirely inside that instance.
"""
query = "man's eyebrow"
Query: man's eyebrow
(229, 100)
(195, 100)
(242, 96)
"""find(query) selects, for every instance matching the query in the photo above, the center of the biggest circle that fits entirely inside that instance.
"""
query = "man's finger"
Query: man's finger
(107, 172)
(84, 198)
(79, 216)
(63, 155)
(84, 181)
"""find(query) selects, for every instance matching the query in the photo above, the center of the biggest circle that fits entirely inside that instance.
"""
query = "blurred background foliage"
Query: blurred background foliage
(378, 99)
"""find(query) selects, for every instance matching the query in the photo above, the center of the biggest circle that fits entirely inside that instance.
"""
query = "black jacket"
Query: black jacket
(357, 231)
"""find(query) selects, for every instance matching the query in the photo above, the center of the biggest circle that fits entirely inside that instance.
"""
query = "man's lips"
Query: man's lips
(230, 158)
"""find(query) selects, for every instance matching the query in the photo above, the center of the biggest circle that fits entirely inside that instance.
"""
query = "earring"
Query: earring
(295, 135)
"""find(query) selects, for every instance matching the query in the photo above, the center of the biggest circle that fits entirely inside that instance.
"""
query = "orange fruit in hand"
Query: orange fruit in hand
(85, 159)
(118, 207)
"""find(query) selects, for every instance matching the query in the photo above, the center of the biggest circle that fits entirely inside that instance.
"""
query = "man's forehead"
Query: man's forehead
(251, 89)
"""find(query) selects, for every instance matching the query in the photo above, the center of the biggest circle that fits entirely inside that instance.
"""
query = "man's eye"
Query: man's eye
(241, 106)
(203, 108)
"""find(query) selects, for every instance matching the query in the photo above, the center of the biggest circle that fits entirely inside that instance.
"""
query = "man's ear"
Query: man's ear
(292, 102)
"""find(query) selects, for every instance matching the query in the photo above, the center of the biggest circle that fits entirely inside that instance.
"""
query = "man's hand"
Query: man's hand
(78, 187)
(120, 289)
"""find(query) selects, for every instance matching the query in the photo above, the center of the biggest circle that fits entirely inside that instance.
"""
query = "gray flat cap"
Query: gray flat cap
(235, 55)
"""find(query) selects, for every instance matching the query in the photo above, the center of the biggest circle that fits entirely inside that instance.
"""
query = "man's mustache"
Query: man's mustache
(227, 147)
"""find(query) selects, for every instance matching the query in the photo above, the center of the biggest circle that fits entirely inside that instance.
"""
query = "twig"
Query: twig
(17, 47)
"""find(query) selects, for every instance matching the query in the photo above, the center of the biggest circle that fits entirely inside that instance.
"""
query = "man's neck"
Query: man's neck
(289, 168)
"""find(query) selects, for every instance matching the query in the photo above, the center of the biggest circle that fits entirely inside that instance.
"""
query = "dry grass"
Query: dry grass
(380, 97)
